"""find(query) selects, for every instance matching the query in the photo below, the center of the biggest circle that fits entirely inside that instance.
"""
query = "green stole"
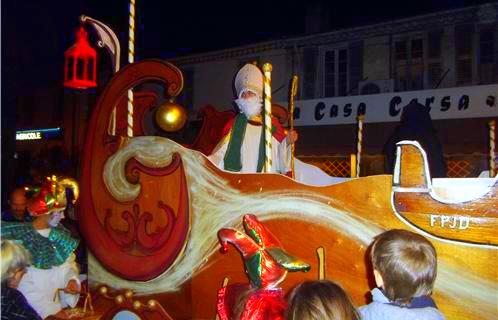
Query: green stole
(232, 156)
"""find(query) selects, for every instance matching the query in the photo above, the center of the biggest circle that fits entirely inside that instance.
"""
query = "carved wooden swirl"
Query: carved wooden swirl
(139, 239)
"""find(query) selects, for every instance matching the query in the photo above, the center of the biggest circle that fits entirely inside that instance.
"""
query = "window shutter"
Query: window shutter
(343, 72)
(355, 66)
(329, 73)
(487, 55)
(463, 36)
(464, 71)
(310, 58)
(434, 44)
(434, 73)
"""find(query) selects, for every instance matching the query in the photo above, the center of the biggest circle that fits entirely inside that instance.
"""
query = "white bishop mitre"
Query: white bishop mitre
(250, 78)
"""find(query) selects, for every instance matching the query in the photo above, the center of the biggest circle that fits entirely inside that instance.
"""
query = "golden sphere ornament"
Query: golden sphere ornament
(151, 304)
(128, 294)
(119, 299)
(103, 290)
(137, 305)
(171, 117)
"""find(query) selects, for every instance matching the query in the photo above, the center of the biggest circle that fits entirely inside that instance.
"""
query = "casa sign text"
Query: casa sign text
(452, 103)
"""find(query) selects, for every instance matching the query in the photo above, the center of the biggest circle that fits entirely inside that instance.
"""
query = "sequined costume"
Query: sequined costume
(51, 248)
(46, 252)
(266, 264)
(53, 265)
(261, 304)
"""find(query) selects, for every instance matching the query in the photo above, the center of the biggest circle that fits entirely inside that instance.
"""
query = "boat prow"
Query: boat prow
(464, 211)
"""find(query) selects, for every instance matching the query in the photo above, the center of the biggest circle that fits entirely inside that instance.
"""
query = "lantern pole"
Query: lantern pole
(109, 41)
(131, 59)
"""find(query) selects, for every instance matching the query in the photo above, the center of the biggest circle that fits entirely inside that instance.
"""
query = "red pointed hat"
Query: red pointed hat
(51, 195)
(266, 263)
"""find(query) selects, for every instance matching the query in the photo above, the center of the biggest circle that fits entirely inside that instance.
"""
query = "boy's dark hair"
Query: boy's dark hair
(407, 263)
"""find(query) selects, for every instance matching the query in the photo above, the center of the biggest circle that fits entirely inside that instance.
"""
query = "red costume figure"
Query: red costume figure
(266, 264)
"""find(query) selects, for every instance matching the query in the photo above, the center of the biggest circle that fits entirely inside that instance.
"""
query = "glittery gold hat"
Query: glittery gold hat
(51, 195)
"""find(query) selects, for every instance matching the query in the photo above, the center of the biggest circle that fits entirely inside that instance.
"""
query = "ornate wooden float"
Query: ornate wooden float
(150, 210)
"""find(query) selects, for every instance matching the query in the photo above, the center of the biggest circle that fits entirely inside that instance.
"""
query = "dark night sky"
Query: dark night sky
(36, 33)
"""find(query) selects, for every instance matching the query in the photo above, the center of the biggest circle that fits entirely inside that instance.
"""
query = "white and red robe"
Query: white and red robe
(250, 148)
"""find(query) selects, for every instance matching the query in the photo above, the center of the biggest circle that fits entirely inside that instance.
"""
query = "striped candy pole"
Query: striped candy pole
(358, 146)
(267, 68)
(131, 59)
(492, 143)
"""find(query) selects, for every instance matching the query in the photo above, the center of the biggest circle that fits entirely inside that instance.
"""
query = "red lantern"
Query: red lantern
(80, 65)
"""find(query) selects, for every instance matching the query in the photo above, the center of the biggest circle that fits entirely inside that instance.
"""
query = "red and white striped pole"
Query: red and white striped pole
(131, 59)
(267, 69)
(359, 144)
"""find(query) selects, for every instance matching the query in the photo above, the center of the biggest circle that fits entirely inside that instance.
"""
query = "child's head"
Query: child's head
(404, 265)
(320, 300)
(15, 259)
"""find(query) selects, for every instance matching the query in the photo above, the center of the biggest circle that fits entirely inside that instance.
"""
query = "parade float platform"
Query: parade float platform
(150, 210)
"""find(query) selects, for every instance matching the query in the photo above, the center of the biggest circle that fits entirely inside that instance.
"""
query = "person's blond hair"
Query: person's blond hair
(314, 300)
(14, 258)
(407, 263)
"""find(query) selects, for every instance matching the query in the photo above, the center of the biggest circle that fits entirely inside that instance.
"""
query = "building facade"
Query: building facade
(429, 58)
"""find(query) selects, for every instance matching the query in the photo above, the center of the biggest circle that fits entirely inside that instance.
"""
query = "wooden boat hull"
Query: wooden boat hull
(150, 210)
